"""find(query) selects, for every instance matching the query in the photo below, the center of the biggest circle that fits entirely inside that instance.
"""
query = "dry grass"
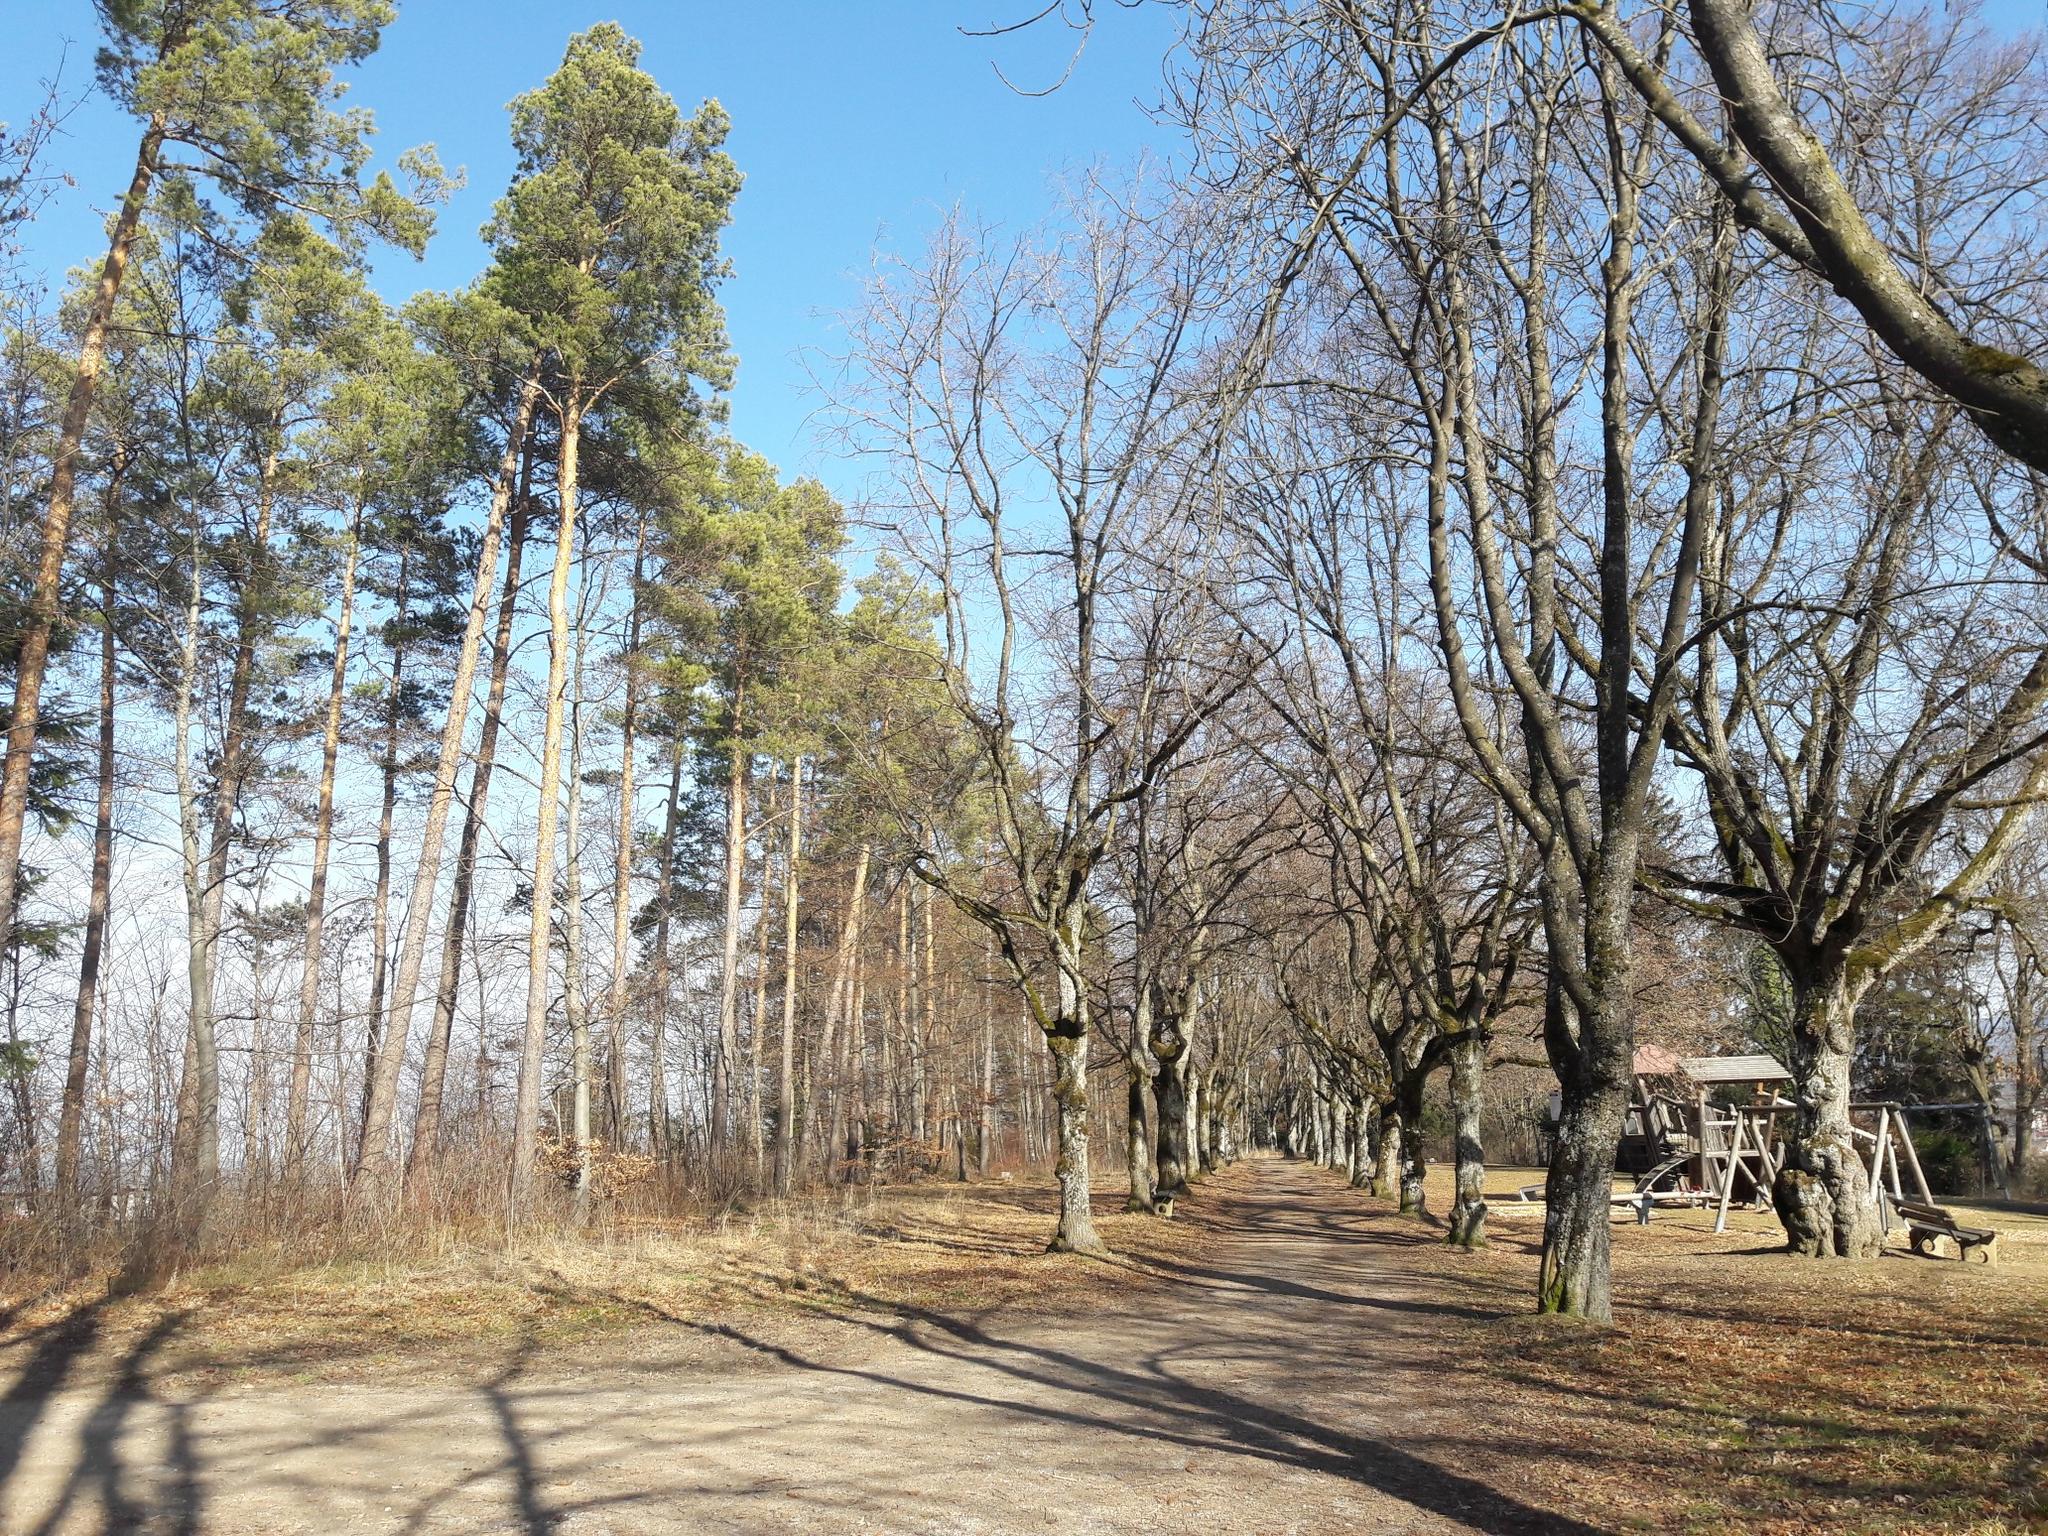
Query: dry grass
(1743, 1389)
(436, 1301)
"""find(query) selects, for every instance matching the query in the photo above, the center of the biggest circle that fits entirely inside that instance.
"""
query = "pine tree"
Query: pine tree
(245, 88)
(607, 243)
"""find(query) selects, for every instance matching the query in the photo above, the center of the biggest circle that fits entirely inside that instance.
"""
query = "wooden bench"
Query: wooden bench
(1926, 1223)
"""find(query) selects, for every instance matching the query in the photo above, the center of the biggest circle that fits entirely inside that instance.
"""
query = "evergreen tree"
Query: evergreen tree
(245, 89)
(607, 244)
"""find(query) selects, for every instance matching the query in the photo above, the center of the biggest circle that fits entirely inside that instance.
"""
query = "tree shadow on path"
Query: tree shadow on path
(1166, 1405)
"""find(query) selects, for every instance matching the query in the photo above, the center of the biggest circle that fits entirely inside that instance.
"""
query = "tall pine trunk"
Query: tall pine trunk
(725, 1054)
(785, 1086)
(46, 598)
(533, 1041)
(189, 1136)
(298, 1096)
(71, 1113)
(821, 1132)
(426, 1136)
(756, 1129)
(622, 864)
(657, 1033)
(374, 1153)
(195, 1146)
(574, 1004)
(985, 1108)
(375, 1054)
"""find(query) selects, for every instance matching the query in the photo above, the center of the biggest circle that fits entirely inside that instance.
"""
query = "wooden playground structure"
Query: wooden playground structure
(1704, 1131)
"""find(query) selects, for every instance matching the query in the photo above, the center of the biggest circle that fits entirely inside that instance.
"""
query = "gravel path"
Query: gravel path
(1288, 1385)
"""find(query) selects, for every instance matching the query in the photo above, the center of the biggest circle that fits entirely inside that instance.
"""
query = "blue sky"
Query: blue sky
(853, 120)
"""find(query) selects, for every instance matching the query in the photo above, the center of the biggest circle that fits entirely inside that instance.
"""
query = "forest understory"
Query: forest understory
(1285, 1353)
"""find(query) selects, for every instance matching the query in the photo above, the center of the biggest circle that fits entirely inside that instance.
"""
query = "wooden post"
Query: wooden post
(1877, 1156)
(1703, 1178)
(1769, 1164)
(1728, 1181)
(1913, 1160)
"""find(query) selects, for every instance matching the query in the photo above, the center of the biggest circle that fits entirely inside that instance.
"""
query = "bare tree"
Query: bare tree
(1494, 273)
(1830, 170)
(1028, 401)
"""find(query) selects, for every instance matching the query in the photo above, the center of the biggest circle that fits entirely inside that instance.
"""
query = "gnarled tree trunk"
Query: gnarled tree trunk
(1068, 1042)
(1468, 1207)
(1386, 1164)
(1137, 1151)
(1822, 1193)
(1170, 1104)
(1414, 1166)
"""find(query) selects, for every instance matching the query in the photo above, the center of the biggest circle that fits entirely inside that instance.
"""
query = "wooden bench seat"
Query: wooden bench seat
(1926, 1224)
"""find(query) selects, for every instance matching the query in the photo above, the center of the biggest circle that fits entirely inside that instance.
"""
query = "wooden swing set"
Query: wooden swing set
(1686, 1149)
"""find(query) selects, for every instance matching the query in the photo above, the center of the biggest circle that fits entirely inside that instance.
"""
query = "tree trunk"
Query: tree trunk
(574, 1004)
(622, 867)
(984, 1120)
(374, 1152)
(1595, 1074)
(1822, 1193)
(298, 1096)
(426, 1134)
(190, 1137)
(898, 1025)
(785, 1085)
(1414, 1166)
(1361, 1144)
(1468, 1206)
(533, 1041)
(726, 1055)
(832, 1046)
(1386, 1167)
(71, 1114)
(196, 1144)
(1217, 1102)
(926, 1033)
(1170, 1107)
(1137, 1150)
(1575, 1277)
(756, 1127)
(45, 605)
(375, 1055)
(1068, 1041)
(657, 1033)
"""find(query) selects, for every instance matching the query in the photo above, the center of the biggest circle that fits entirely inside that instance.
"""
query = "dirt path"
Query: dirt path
(1275, 1390)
